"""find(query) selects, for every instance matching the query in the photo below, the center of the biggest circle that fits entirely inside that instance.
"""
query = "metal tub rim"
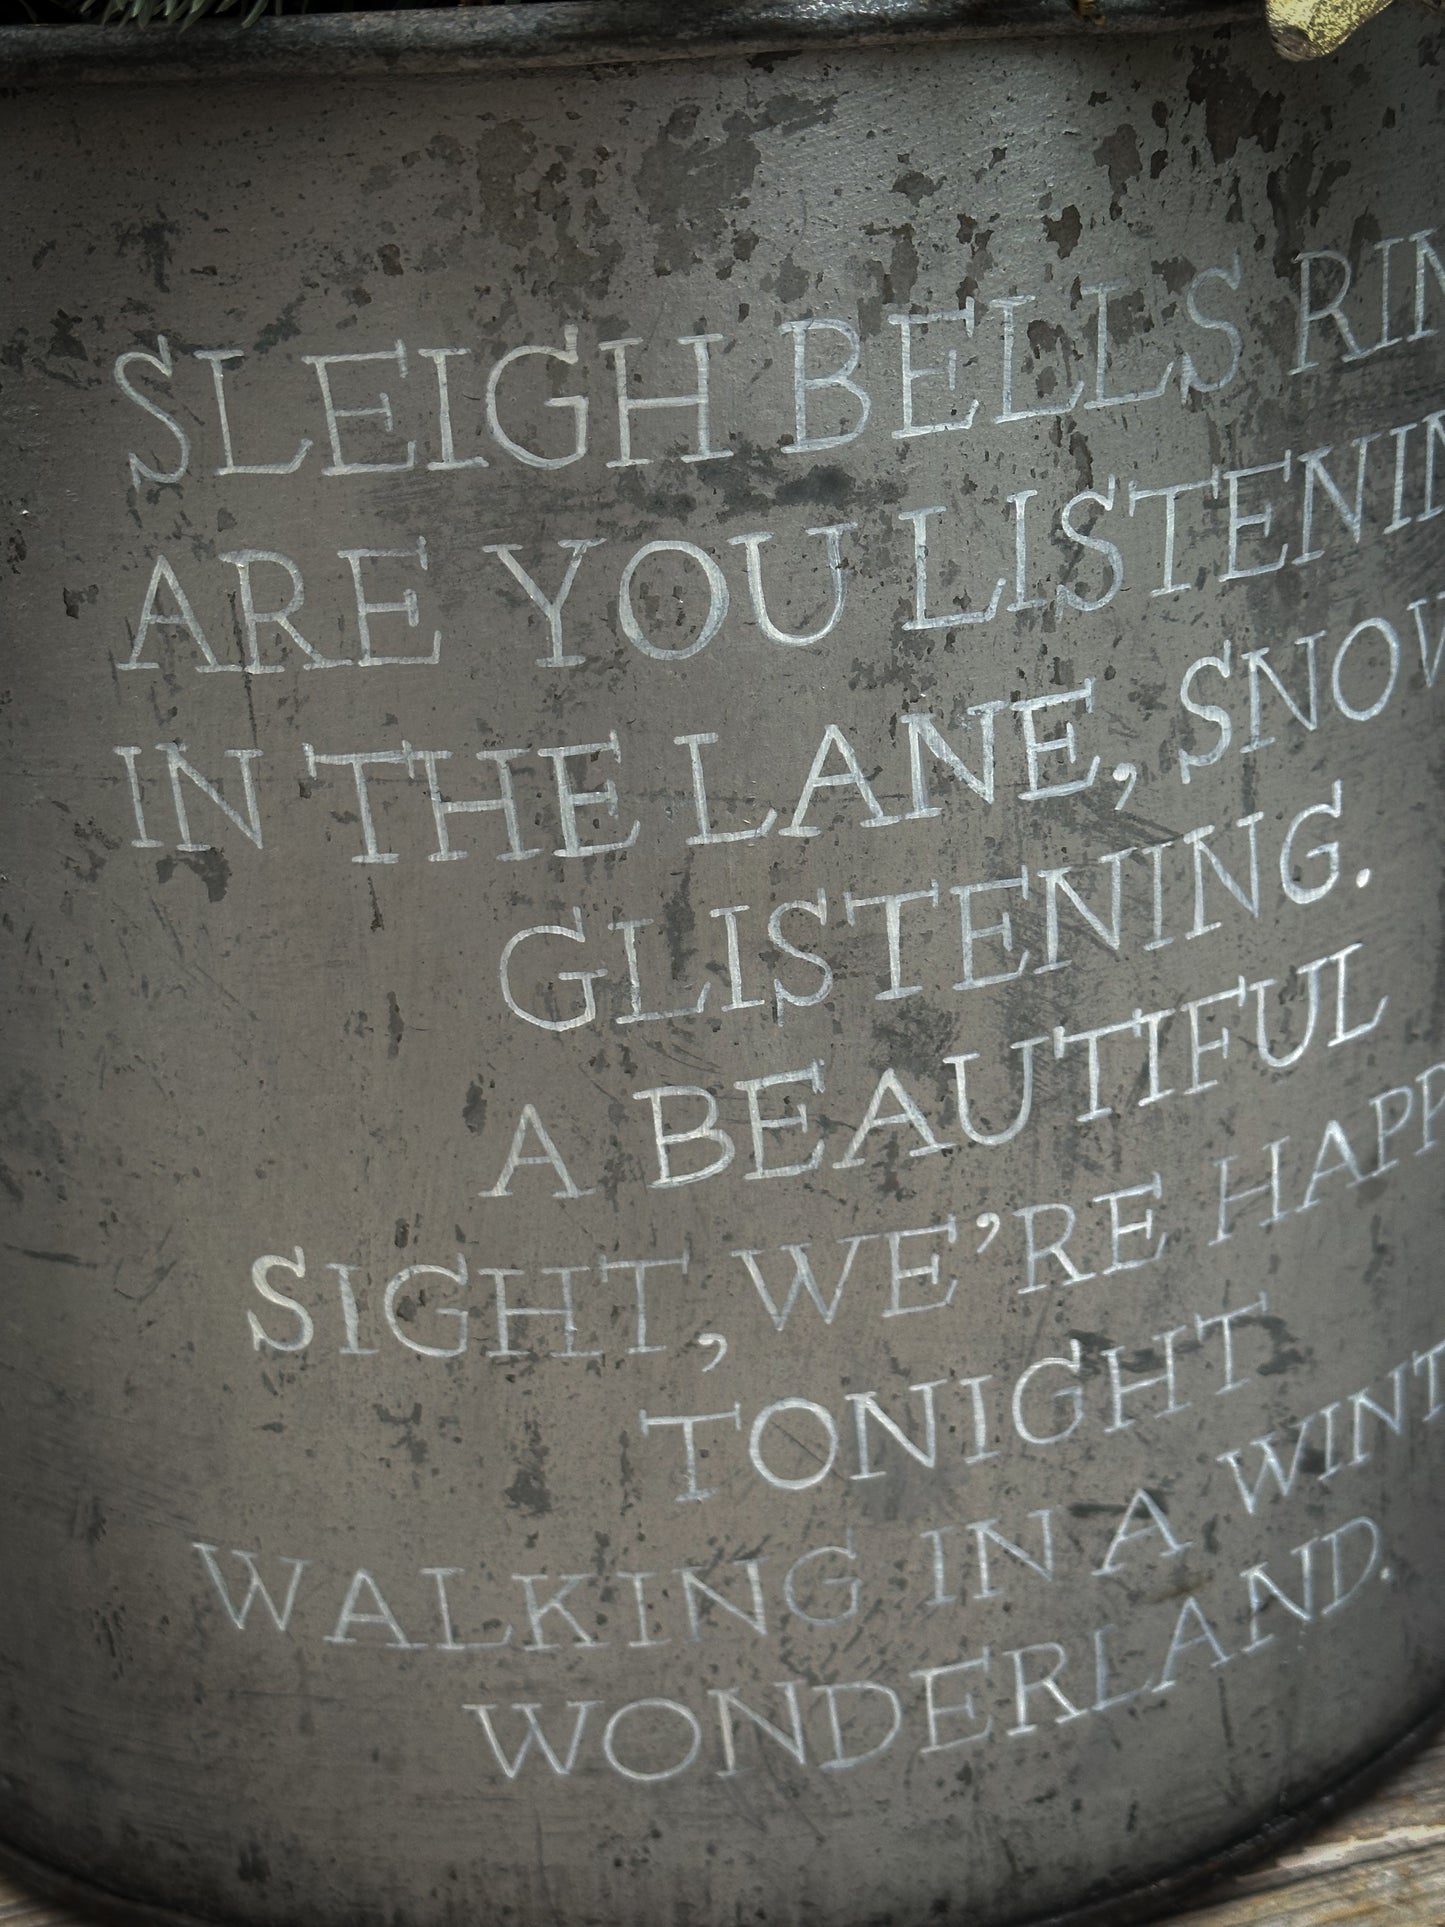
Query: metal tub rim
(567, 33)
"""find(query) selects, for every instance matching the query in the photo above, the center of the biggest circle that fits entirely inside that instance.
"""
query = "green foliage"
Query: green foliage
(179, 13)
(176, 14)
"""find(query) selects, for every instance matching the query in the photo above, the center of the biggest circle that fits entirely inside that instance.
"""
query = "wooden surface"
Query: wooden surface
(1380, 1865)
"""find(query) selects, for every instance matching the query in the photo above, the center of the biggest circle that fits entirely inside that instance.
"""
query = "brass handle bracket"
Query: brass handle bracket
(1308, 29)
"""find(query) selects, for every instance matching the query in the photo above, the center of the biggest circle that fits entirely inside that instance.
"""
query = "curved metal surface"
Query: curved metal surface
(1152, 1902)
(724, 922)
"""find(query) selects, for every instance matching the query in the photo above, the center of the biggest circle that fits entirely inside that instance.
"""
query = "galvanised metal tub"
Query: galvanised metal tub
(724, 873)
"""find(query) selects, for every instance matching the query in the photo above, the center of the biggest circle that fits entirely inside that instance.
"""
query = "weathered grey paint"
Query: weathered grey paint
(244, 1060)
